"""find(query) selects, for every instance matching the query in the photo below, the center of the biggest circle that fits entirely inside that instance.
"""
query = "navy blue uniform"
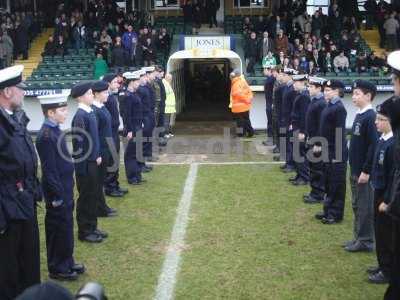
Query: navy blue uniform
(121, 98)
(381, 181)
(268, 91)
(134, 118)
(19, 192)
(313, 118)
(105, 143)
(111, 181)
(161, 116)
(86, 149)
(362, 147)
(289, 94)
(148, 101)
(58, 186)
(333, 129)
(276, 113)
(298, 118)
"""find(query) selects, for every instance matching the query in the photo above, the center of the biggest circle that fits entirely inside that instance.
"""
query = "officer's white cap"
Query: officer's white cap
(316, 80)
(149, 69)
(12, 76)
(393, 60)
(53, 101)
(131, 75)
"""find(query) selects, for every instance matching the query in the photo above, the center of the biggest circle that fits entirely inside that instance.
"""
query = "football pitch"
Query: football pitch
(221, 231)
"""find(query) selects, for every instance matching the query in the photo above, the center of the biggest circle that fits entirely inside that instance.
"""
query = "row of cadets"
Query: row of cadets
(112, 187)
(87, 162)
(58, 189)
(298, 126)
(133, 157)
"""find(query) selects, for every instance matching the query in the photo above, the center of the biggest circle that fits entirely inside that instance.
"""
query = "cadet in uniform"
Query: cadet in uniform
(393, 209)
(333, 129)
(87, 159)
(148, 119)
(288, 96)
(19, 191)
(268, 92)
(280, 86)
(298, 127)
(381, 180)
(134, 126)
(58, 189)
(111, 184)
(361, 153)
(100, 92)
(313, 118)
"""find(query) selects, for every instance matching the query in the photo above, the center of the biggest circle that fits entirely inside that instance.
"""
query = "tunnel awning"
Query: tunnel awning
(176, 60)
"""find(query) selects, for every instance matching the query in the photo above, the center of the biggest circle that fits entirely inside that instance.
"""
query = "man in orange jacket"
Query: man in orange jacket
(241, 97)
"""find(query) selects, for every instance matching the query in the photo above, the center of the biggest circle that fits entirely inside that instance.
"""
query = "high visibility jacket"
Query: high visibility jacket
(241, 95)
(170, 105)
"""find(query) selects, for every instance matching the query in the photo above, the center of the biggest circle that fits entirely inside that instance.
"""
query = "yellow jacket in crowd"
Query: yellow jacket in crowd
(170, 98)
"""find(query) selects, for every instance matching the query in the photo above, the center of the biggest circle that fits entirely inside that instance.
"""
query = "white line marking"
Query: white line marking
(219, 163)
(167, 279)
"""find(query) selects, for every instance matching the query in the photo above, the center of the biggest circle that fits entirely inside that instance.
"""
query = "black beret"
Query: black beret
(44, 291)
(80, 89)
(99, 86)
(109, 77)
(334, 84)
(364, 84)
(385, 108)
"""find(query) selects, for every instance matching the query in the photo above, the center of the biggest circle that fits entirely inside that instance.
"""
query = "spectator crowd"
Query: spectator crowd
(320, 43)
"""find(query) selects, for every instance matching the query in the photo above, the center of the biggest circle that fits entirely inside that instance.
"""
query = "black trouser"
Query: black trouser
(289, 148)
(393, 290)
(317, 179)
(301, 161)
(212, 17)
(148, 127)
(335, 187)
(19, 257)
(133, 168)
(111, 181)
(268, 111)
(102, 207)
(60, 238)
(250, 65)
(86, 204)
(243, 123)
(383, 236)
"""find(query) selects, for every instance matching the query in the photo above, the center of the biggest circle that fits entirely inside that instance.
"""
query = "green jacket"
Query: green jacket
(100, 68)
(267, 62)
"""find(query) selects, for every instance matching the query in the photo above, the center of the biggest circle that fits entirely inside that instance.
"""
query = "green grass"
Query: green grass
(251, 237)
(129, 261)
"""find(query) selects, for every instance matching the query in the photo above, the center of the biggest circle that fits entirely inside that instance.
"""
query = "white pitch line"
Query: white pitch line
(170, 269)
(218, 163)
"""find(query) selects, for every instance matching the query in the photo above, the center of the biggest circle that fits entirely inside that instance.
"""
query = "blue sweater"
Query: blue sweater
(383, 168)
(313, 115)
(333, 117)
(56, 164)
(300, 106)
(362, 144)
(112, 107)
(85, 133)
(134, 111)
(105, 133)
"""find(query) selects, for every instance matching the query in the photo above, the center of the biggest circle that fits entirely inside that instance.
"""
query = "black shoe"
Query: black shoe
(162, 144)
(276, 150)
(115, 194)
(291, 179)
(373, 270)
(311, 200)
(330, 221)
(78, 268)
(348, 243)
(320, 215)
(71, 276)
(358, 247)
(123, 190)
(112, 213)
(147, 169)
(299, 182)
(91, 238)
(135, 182)
(101, 233)
(378, 278)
